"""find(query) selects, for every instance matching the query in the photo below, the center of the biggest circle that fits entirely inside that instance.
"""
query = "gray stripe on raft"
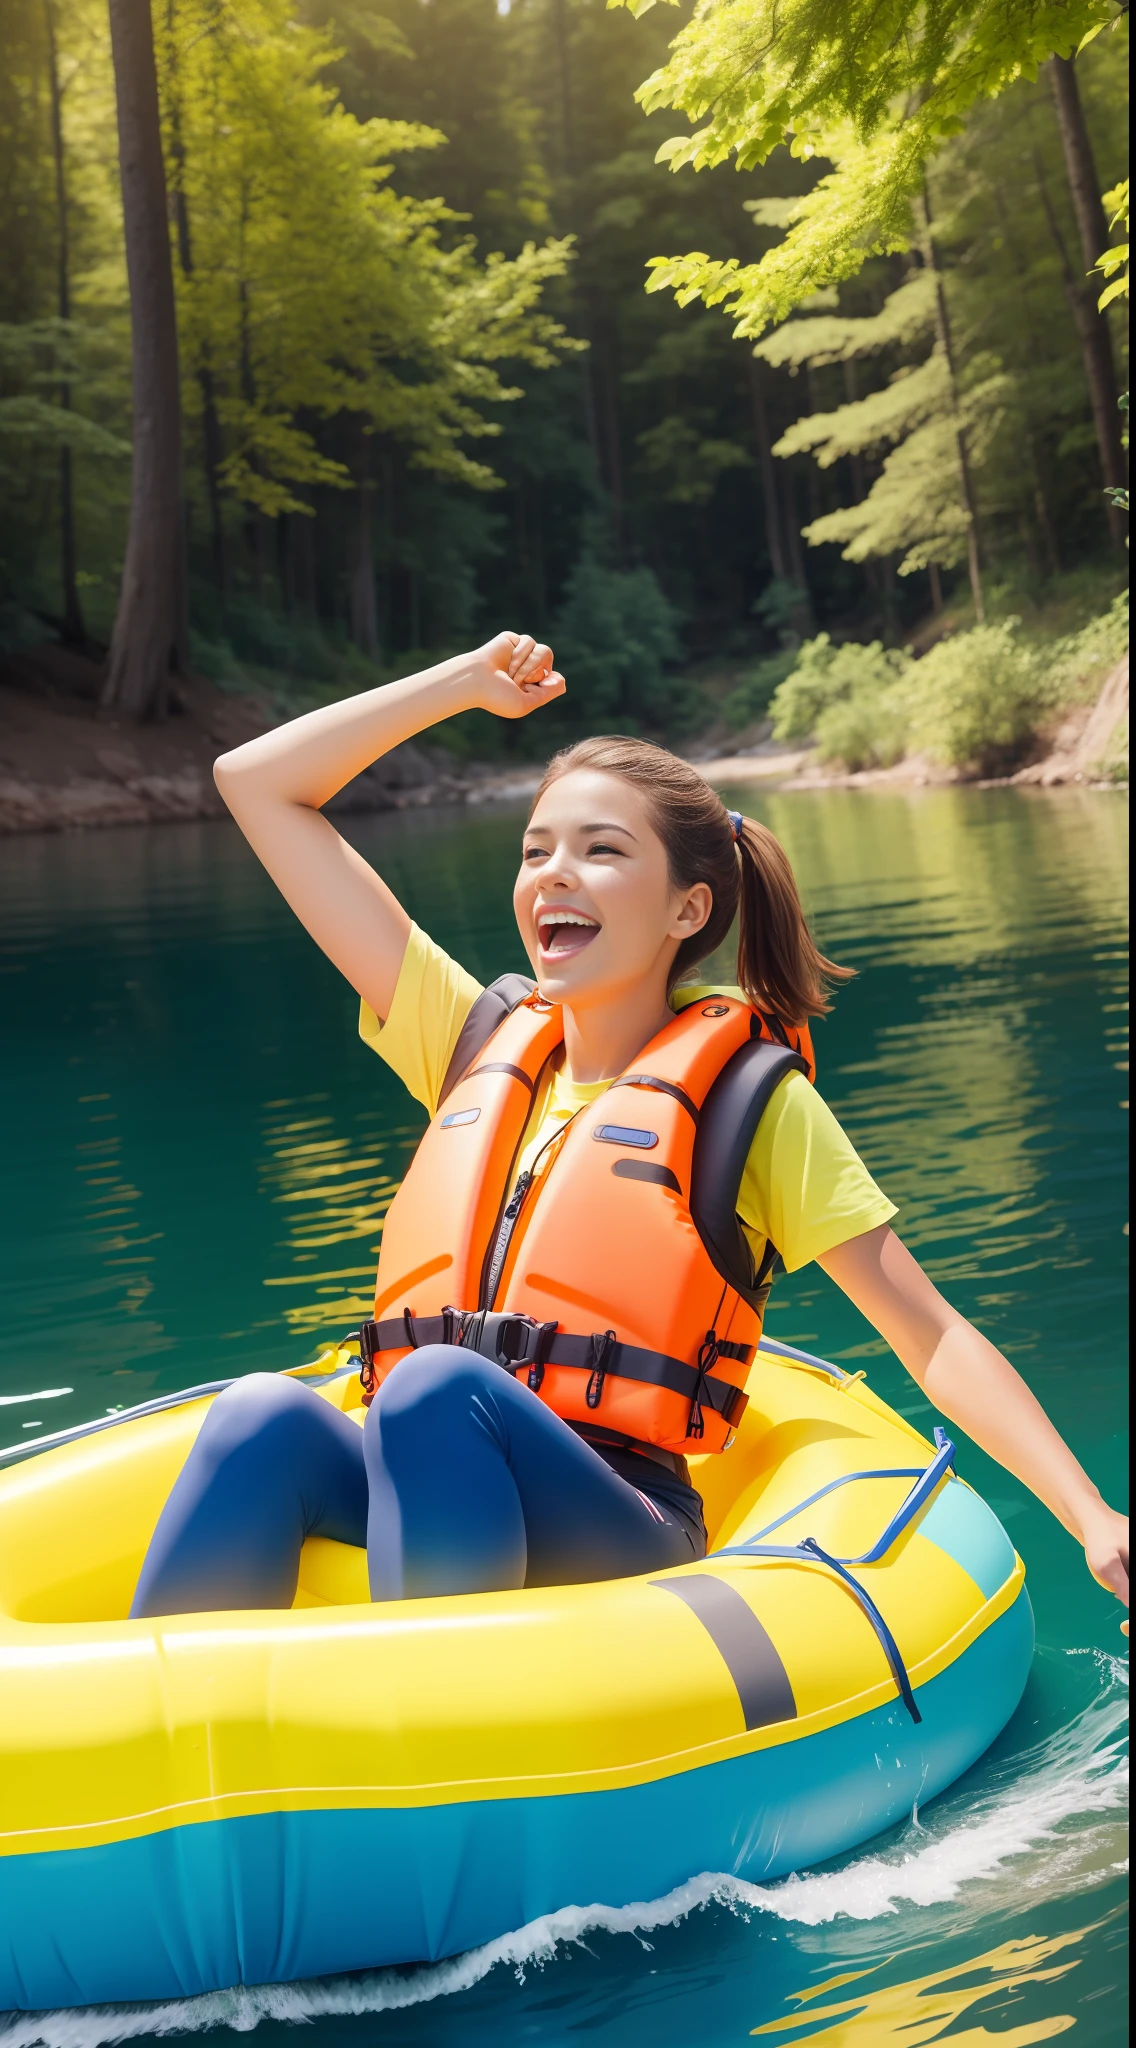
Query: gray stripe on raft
(761, 1679)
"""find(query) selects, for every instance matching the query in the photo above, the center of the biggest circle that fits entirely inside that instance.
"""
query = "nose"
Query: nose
(559, 870)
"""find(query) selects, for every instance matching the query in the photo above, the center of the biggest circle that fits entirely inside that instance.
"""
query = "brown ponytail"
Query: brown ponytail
(779, 968)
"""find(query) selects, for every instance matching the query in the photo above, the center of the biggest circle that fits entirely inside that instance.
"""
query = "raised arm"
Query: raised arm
(968, 1380)
(275, 786)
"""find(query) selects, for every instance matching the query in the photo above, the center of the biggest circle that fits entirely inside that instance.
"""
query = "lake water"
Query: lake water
(198, 1152)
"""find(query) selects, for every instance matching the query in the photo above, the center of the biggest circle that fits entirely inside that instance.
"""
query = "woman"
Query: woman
(465, 1477)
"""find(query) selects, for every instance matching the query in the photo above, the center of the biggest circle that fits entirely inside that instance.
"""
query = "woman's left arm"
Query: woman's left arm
(963, 1375)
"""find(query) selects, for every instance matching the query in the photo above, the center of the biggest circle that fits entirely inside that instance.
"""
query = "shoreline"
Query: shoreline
(65, 769)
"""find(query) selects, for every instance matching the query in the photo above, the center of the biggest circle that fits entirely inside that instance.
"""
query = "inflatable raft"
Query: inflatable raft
(213, 1799)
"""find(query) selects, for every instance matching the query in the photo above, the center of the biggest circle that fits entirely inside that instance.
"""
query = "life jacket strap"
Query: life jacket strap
(514, 1340)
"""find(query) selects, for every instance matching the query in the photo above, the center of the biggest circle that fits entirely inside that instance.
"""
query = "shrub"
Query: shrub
(976, 701)
(827, 675)
(613, 636)
(1080, 661)
(752, 697)
(865, 730)
(213, 658)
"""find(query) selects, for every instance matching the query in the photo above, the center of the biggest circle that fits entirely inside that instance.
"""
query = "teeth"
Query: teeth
(567, 917)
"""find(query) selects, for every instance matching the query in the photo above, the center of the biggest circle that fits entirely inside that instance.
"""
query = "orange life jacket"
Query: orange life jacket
(617, 1282)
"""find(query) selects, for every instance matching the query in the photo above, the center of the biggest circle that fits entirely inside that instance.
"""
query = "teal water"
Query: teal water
(198, 1152)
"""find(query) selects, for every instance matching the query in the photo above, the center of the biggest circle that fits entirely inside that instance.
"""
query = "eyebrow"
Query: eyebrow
(602, 825)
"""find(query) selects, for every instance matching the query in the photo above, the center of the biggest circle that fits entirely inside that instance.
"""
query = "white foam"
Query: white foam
(1025, 1819)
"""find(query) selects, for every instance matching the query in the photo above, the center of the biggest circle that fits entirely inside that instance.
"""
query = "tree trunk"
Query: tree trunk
(298, 569)
(943, 330)
(537, 581)
(364, 610)
(211, 436)
(211, 425)
(1079, 162)
(887, 579)
(144, 640)
(564, 83)
(774, 541)
(74, 629)
(602, 358)
(856, 467)
(805, 621)
(1092, 325)
(813, 505)
(1032, 353)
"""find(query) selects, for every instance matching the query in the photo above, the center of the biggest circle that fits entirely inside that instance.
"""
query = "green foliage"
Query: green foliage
(1115, 259)
(873, 88)
(316, 290)
(343, 174)
(687, 464)
(848, 697)
(752, 697)
(977, 698)
(36, 358)
(869, 729)
(614, 635)
(906, 319)
(915, 508)
(1002, 262)
(975, 702)
(1077, 663)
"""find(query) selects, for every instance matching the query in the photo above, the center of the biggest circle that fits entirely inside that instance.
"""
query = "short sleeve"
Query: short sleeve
(805, 1187)
(432, 999)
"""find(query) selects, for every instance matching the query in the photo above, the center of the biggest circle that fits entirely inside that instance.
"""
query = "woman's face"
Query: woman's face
(594, 900)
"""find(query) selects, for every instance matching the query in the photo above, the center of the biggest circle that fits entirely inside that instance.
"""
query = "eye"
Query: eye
(535, 853)
(601, 846)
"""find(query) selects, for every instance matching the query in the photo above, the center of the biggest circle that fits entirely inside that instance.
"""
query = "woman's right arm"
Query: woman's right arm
(275, 787)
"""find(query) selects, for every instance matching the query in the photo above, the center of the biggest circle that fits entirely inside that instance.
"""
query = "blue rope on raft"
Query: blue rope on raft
(779, 1350)
(809, 1551)
(154, 1407)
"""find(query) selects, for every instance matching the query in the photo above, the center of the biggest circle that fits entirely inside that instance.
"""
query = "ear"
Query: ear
(693, 912)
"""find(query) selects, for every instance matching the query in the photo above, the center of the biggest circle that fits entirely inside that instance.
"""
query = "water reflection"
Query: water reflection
(921, 2009)
(335, 1187)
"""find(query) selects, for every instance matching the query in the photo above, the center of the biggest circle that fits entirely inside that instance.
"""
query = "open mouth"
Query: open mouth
(561, 932)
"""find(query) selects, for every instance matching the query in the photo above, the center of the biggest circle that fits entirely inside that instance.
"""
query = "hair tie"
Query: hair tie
(737, 822)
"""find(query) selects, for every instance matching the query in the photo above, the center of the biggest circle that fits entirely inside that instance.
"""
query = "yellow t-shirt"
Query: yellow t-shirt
(804, 1188)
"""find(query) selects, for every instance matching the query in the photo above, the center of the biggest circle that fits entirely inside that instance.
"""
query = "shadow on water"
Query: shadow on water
(203, 1153)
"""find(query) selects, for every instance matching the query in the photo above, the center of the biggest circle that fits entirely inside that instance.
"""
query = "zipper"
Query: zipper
(510, 1213)
(490, 1268)
(504, 1235)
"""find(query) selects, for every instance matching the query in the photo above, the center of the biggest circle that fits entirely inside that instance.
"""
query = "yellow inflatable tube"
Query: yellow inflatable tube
(203, 1800)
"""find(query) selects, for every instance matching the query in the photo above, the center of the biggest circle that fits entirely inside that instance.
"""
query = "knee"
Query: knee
(263, 1404)
(428, 1387)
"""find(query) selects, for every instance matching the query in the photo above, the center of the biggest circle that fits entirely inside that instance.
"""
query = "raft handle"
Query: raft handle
(775, 1349)
(809, 1551)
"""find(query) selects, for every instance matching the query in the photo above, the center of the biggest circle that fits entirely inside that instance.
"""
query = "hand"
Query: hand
(513, 675)
(1105, 1537)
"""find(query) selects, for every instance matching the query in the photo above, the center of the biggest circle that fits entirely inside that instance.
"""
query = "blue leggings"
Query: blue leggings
(461, 1481)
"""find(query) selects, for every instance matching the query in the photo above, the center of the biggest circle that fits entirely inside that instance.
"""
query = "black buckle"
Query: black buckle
(366, 1336)
(509, 1338)
(603, 1343)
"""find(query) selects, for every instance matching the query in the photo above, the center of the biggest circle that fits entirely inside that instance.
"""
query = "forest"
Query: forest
(336, 334)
